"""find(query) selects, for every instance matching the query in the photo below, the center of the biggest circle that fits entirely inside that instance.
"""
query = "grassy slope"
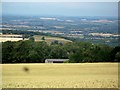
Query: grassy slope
(85, 75)
(49, 39)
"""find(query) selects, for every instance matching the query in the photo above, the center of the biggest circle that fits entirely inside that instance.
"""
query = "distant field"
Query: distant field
(85, 75)
(10, 39)
(49, 39)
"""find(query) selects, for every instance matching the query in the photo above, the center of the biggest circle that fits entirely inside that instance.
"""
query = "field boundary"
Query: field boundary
(60, 89)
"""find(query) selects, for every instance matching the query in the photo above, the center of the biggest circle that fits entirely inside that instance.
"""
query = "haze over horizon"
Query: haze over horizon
(60, 8)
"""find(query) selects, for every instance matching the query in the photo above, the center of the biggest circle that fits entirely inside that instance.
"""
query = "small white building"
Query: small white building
(55, 60)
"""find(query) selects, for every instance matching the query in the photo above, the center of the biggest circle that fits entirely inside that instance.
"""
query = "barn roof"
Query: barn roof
(57, 59)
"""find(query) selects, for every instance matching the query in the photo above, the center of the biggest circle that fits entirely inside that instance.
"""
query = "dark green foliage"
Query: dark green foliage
(24, 52)
(43, 38)
(32, 39)
(55, 42)
(57, 51)
(88, 52)
(117, 56)
(7, 52)
(36, 52)
(115, 53)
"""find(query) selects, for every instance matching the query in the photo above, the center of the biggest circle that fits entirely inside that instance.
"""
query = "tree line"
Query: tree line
(30, 51)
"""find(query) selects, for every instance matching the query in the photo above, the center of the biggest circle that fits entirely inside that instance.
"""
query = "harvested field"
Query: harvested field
(81, 75)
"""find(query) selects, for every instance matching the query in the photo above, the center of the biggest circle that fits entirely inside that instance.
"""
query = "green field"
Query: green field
(50, 39)
(84, 75)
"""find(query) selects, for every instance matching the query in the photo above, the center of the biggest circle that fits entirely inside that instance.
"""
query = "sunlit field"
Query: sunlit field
(49, 39)
(82, 75)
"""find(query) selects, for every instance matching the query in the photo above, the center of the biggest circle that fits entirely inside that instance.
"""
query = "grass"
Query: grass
(50, 39)
(85, 75)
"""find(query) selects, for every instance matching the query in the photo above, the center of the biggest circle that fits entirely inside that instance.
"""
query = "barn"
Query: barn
(55, 60)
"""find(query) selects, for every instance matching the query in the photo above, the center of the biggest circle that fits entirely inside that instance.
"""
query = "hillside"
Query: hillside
(50, 39)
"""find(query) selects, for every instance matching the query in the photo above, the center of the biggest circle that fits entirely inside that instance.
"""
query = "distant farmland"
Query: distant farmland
(84, 75)
(10, 37)
(50, 39)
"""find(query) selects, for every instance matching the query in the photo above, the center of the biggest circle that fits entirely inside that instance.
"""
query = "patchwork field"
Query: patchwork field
(49, 39)
(84, 75)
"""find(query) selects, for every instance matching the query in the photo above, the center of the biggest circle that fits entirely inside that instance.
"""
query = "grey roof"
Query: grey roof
(57, 59)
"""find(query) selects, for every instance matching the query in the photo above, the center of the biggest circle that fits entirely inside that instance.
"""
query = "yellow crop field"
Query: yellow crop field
(66, 75)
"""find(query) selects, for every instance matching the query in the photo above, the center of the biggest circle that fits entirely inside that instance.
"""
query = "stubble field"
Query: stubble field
(82, 75)
(50, 39)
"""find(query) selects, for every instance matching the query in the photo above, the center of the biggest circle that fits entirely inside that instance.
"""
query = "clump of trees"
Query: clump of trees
(36, 52)
(43, 38)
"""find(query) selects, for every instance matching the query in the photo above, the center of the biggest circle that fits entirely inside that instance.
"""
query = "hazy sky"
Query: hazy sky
(61, 8)
(60, 0)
